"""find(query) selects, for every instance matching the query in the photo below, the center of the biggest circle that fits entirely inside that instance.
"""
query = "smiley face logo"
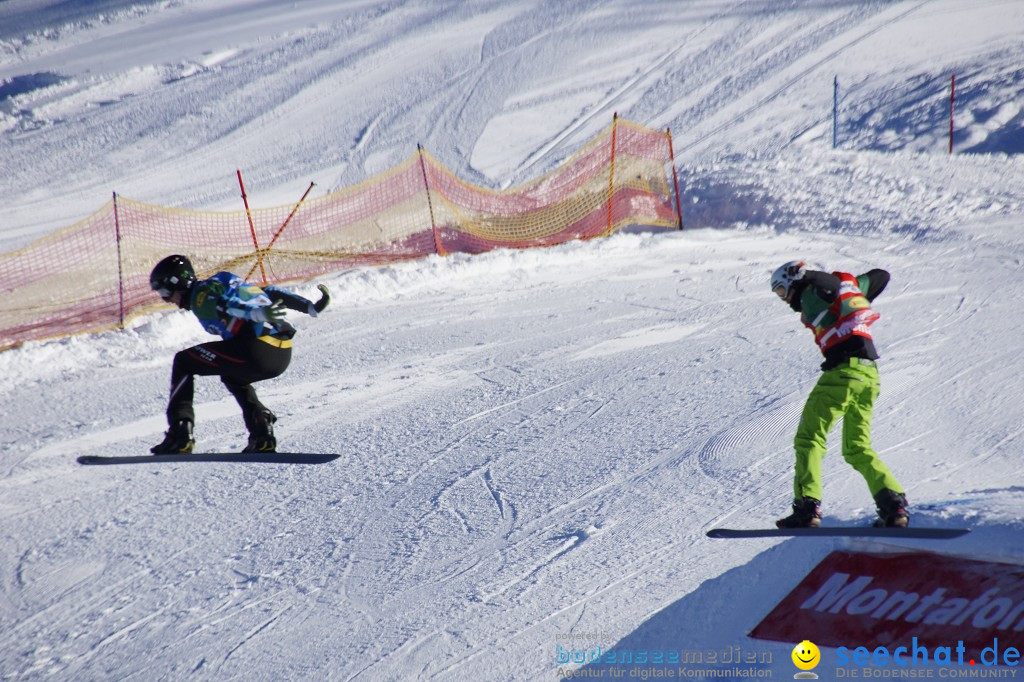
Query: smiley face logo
(806, 655)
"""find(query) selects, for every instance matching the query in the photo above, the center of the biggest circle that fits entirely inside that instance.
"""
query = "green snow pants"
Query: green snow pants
(848, 391)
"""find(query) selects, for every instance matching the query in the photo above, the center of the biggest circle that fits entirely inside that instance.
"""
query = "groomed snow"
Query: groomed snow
(532, 443)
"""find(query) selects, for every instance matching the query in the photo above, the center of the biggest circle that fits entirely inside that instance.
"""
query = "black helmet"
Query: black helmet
(173, 273)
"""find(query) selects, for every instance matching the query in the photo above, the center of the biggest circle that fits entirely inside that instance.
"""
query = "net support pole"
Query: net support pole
(284, 225)
(611, 172)
(252, 227)
(835, 112)
(120, 266)
(675, 177)
(952, 99)
(438, 248)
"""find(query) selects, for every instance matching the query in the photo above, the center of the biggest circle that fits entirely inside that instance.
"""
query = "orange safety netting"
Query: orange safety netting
(94, 275)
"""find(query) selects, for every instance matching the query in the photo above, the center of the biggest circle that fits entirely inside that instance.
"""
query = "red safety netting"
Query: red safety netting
(94, 275)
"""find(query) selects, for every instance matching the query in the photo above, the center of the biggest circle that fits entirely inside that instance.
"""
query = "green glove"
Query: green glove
(272, 314)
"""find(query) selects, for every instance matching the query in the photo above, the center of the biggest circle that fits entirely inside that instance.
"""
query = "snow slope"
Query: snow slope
(532, 443)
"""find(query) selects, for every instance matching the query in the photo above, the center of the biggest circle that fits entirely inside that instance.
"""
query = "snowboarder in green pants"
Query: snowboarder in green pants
(836, 308)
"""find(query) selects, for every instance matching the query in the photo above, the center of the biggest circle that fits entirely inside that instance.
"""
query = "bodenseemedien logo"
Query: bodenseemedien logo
(806, 656)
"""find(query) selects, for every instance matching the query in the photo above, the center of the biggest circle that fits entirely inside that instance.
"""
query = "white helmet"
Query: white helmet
(785, 275)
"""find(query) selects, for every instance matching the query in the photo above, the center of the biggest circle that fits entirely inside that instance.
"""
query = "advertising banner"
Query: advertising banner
(905, 609)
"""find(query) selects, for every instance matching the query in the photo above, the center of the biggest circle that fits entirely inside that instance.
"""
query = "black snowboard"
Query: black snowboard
(840, 531)
(266, 457)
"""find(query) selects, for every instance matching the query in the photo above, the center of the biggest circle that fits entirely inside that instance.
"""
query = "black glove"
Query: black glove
(325, 298)
(796, 272)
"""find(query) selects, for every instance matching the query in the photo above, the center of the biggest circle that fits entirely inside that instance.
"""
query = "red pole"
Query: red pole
(284, 225)
(252, 227)
(952, 98)
(611, 172)
(675, 177)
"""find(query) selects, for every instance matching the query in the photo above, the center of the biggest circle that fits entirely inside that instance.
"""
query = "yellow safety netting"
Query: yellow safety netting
(94, 275)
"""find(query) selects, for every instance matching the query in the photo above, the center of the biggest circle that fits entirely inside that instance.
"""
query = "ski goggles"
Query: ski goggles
(780, 291)
(164, 293)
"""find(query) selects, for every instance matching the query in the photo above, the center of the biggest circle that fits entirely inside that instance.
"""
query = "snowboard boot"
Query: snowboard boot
(261, 433)
(177, 440)
(892, 509)
(806, 514)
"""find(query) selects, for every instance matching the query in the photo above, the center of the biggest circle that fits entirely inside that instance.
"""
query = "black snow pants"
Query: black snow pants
(238, 361)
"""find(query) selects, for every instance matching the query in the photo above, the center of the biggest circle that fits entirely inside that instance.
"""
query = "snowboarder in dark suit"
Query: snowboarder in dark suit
(256, 344)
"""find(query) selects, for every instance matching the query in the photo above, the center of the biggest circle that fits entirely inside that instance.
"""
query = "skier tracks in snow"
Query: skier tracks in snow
(807, 40)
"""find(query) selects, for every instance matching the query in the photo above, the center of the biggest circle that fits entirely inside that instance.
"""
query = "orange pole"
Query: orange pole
(252, 227)
(283, 225)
